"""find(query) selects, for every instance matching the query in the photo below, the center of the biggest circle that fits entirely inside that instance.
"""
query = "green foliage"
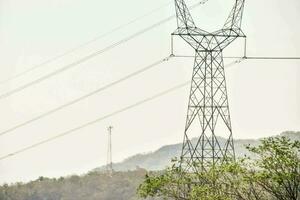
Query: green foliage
(174, 183)
(92, 186)
(157, 160)
(273, 175)
(278, 167)
(162, 185)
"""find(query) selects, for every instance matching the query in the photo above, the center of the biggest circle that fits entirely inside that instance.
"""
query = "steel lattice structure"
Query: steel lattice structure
(109, 164)
(208, 94)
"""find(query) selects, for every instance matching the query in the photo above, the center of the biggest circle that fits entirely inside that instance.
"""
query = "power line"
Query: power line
(104, 117)
(272, 58)
(124, 78)
(84, 44)
(249, 57)
(227, 57)
(86, 58)
(95, 121)
(67, 67)
(98, 90)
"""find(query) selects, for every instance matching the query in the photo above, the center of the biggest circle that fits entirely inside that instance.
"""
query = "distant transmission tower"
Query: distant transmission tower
(109, 164)
(208, 95)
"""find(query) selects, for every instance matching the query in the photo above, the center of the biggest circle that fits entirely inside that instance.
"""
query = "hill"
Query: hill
(97, 185)
(92, 186)
(160, 158)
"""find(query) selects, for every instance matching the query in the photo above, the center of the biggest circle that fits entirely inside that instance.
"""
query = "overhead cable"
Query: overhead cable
(74, 130)
(79, 99)
(88, 57)
(249, 57)
(95, 121)
(68, 52)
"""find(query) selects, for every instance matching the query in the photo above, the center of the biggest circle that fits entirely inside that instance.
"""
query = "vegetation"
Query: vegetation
(275, 174)
(160, 159)
(92, 186)
(270, 171)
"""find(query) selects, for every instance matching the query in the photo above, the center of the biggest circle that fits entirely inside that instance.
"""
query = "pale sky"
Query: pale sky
(264, 96)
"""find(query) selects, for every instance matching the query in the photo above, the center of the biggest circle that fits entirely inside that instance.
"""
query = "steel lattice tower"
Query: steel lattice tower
(109, 164)
(208, 94)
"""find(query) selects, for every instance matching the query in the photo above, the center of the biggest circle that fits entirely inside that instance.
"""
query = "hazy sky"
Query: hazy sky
(264, 96)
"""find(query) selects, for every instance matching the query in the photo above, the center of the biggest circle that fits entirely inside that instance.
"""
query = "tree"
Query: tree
(227, 181)
(278, 167)
(274, 174)
(177, 184)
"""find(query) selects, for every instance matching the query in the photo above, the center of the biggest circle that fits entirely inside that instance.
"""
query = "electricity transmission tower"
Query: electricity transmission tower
(109, 167)
(208, 101)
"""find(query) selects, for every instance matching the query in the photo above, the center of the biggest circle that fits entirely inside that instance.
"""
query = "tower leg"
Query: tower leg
(208, 115)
